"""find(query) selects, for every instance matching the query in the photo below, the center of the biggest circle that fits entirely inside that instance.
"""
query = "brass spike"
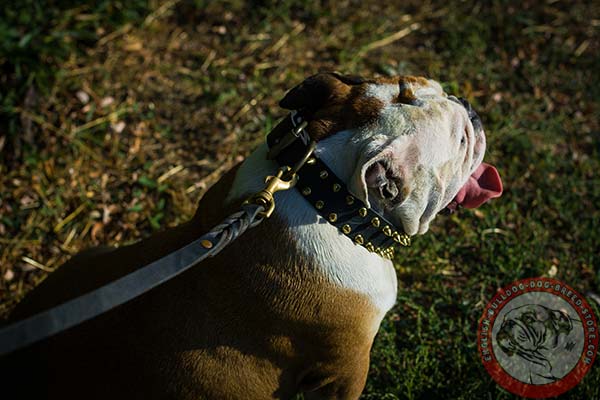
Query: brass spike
(375, 222)
(207, 244)
(346, 229)
(332, 217)
(349, 200)
(405, 240)
(337, 187)
(311, 161)
(323, 174)
(306, 191)
(362, 212)
(387, 231)
(369, 246)
(359, 239)
(319, 205)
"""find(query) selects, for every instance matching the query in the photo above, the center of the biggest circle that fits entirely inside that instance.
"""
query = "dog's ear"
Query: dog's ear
(561, 321)
(318, 90)
(329, 103)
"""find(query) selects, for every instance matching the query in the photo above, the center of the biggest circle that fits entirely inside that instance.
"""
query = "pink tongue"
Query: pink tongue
(483, 184)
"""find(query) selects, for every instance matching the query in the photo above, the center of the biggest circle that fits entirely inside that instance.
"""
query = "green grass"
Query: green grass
(196, 87)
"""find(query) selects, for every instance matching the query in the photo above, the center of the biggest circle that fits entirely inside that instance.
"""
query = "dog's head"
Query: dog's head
(419, 150)
(532, 327)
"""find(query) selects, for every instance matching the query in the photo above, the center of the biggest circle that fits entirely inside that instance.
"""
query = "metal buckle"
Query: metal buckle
(284, 180)
(297, 132)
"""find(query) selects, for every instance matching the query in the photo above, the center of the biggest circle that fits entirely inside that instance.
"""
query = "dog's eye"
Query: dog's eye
(463, 140)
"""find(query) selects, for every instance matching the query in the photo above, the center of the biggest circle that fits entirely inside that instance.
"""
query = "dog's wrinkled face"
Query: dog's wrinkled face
(531, 328)
(419, 150)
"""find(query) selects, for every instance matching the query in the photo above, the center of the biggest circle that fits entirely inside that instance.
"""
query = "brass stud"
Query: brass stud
(369, 246)
(337, 187)
(332, 217)
(387, 231)
(311, 161)
(346, 229)
(390, 253)
(403, 239)
(362, 212)
(359, 239)
(306, 191)
(207, 244)
(349, 200)
(319, 205)
(375, 222)
(406, 240)
(323, 174)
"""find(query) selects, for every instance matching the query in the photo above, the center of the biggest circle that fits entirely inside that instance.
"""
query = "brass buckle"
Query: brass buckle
(285, 179)
(282, 181)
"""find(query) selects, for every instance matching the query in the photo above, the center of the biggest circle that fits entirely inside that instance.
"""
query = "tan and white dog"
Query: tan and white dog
(293, 305)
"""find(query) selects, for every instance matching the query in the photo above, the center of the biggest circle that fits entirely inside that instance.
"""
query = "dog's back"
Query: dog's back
(253, 322)
(295, 303)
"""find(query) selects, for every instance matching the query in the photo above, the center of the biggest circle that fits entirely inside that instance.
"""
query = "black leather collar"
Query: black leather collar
(288, 143)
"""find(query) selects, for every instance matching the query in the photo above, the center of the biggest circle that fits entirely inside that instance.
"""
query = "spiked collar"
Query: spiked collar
(289, 144)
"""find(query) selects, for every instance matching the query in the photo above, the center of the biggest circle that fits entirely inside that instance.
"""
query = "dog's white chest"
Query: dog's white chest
(335, 256)
(343, 263)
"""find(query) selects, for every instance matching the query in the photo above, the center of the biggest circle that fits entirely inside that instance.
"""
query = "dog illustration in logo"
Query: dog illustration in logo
(533, 333)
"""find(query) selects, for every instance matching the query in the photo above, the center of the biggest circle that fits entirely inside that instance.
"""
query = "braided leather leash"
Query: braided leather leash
(103, 299)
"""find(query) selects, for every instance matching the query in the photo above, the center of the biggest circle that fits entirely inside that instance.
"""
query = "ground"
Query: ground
(138, 124)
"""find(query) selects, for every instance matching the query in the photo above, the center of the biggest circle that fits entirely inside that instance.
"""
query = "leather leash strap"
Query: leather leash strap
(103, 299)
(85, 307)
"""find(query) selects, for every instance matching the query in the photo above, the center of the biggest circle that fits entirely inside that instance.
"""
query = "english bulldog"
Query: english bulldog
(534, 334)
(294, 304)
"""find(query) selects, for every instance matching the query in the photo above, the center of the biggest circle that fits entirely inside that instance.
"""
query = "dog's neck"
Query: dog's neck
(329, 252)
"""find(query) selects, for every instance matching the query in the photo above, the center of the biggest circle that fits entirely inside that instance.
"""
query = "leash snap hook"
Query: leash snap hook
(284, 180)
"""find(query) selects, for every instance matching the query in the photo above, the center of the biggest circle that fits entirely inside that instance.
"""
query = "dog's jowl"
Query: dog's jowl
(294, 304)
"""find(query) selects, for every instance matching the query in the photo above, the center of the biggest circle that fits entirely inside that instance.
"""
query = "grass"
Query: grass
(133, 128)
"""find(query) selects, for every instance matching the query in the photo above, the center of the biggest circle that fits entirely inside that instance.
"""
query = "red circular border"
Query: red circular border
(523, 389)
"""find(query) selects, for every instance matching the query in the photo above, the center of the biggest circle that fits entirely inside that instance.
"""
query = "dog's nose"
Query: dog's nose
(475, 120)
(470, 111)
(466, 104)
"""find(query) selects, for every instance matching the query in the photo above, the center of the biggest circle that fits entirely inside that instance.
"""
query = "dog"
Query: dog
(533, 333)
(294, 304)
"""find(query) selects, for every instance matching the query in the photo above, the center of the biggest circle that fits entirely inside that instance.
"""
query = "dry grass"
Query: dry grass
(135, 130)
